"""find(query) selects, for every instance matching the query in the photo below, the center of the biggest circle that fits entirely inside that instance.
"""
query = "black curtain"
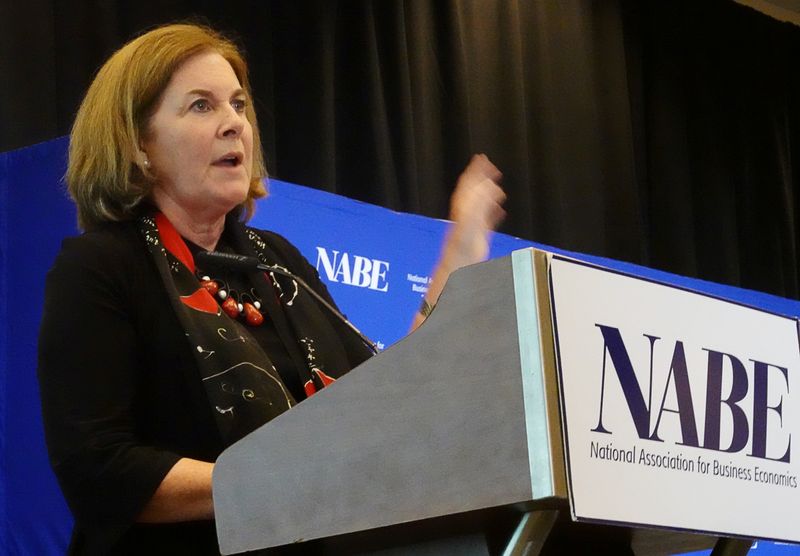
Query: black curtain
(720, 129)
(655, 131)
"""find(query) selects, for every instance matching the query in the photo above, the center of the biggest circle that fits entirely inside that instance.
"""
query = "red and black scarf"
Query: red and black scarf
(243, 386)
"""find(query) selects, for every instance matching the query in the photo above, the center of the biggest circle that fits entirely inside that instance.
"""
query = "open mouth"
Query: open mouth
(229, 160)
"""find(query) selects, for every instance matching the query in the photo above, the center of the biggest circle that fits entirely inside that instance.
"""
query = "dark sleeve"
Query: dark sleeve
(88, 375)
(357, 351)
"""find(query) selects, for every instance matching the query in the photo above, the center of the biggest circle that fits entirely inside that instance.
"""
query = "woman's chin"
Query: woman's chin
(233, 198)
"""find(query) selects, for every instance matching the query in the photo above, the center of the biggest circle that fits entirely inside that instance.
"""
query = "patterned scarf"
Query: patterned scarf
(243, 386)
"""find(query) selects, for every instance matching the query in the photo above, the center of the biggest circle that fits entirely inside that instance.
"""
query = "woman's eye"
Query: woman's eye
(201, 105)
(239, 104)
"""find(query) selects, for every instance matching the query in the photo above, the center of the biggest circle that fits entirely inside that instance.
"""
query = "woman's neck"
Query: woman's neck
(202, 230)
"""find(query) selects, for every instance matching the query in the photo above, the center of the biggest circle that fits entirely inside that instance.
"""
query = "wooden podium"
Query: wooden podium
(449, 442)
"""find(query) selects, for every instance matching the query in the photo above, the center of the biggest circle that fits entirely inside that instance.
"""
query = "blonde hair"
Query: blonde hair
(104, 176)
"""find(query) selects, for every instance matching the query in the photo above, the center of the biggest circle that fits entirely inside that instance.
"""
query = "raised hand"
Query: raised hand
(476, 208)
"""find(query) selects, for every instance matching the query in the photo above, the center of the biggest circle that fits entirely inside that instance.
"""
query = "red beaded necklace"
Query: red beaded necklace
(235, 305)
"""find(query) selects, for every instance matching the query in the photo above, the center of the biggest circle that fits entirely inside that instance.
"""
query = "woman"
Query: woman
(169, 363)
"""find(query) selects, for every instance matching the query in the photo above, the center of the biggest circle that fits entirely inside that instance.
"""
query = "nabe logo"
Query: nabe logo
(766, 381)
(353, 270)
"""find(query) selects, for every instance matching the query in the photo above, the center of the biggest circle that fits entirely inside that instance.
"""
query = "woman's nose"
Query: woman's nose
(233, 124)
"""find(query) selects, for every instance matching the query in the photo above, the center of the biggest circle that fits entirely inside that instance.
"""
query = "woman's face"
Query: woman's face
(199, 142)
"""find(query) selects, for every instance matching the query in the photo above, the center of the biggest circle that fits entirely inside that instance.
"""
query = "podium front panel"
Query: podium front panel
(680, 410)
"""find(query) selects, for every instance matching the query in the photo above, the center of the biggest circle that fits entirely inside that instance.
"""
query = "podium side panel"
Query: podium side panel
(433, 426)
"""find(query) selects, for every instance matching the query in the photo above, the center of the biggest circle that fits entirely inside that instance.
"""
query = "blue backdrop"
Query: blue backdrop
(376, 263)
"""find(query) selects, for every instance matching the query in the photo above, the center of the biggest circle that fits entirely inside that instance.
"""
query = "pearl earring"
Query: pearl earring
(146, 163)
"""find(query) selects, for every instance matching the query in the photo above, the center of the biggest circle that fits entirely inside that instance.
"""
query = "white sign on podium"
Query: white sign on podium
(680, 410)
